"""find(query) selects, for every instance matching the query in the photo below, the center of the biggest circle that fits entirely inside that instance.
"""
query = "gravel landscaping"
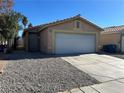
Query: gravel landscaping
(47, 75)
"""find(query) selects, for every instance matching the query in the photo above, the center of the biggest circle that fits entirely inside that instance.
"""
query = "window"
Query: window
(77, 24)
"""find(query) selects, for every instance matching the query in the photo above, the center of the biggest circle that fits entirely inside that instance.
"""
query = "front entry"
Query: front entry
(33, 42)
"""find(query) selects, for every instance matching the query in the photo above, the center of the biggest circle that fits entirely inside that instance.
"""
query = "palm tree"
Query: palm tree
(24, 21)
(30, 25)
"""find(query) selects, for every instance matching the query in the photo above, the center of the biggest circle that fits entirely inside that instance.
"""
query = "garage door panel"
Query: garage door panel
(74, 43)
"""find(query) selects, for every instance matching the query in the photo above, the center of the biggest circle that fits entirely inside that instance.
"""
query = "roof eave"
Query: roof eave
(41, 27)
(92, 24)
(78, 17)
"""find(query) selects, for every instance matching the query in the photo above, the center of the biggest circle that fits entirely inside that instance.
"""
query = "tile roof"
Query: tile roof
(113, 29)
(51, 23)
(39, 27)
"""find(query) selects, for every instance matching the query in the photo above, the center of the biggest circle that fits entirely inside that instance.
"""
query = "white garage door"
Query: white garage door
(122, 44)
(74, 43)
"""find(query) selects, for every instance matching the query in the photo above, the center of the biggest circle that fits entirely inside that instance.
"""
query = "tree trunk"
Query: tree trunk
(9, 44)
(15, 44)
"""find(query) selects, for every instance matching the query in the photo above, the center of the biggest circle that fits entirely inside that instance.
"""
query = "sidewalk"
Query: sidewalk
(116, 86)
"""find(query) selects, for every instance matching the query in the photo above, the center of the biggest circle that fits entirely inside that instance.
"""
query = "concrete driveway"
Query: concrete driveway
(106, 69)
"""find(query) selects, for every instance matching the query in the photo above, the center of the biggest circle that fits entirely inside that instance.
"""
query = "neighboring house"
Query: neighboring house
(113, 35)
(68, 36)
(19, 42)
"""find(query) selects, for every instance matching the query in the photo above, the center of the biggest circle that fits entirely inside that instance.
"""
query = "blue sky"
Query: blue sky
(104, 13)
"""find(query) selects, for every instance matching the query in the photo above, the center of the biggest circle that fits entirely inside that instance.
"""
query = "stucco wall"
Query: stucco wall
(113, 38)
(70, 27)
(43, 41)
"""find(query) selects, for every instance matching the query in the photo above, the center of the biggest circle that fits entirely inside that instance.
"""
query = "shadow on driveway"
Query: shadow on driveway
(19, 55)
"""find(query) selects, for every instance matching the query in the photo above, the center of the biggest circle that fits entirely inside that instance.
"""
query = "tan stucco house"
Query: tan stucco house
(113, 35)
(68, 36)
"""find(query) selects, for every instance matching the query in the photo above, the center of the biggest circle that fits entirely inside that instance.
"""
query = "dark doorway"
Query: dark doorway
(34, 42)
